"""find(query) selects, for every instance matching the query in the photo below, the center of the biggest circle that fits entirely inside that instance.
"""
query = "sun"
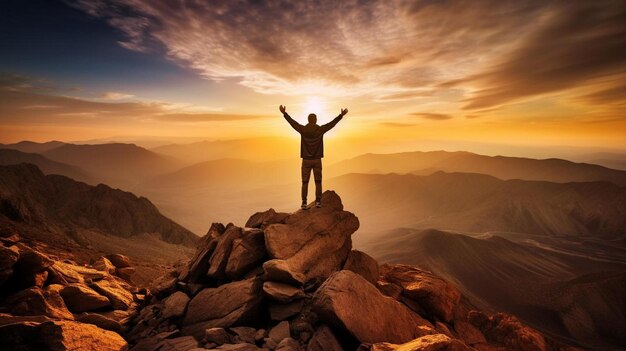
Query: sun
(314, 104)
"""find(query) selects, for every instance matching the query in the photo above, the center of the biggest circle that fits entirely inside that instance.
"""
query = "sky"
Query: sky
(509, 72)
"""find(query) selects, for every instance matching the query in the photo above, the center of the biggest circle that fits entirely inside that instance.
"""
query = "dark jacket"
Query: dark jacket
(312, 136)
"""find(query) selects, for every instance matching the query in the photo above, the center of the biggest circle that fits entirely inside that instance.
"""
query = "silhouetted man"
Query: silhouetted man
(312, 151)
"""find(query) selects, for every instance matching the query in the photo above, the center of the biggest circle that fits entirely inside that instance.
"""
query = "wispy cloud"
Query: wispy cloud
(494, 52)
(432, 116)
(111, 95)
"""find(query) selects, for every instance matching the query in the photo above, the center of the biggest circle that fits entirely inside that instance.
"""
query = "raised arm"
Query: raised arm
(295, 125)
(328, 126)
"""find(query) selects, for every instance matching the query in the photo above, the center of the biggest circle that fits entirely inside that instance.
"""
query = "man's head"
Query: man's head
(312, 118)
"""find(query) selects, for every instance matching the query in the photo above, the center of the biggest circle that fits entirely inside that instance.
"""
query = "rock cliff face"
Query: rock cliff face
(29, 197)
(286, 282)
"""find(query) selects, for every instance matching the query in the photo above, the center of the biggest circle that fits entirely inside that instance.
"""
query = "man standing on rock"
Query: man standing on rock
(312, 151)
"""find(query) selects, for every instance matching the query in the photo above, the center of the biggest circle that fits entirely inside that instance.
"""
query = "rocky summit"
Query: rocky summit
(284, 281)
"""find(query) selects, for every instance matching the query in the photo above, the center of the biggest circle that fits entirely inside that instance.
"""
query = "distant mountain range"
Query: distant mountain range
(552, 170)
(46, 165)
(60, 205)
(480, 203)
(565, 294)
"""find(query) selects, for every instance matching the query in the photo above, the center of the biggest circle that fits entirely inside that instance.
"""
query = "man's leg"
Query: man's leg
(306, 175)
(317, 175)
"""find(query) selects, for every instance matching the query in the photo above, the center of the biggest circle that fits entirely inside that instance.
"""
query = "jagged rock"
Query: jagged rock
(217, 335)
(238, 347)
(120, 298)
(508, 330)
(362, 264)
(30, 269)
(324, 340)
(280, 312)
(155, 342)
(100, 321)
(435, 342)
(312, 243)
(125, 273)
(443, 329)
(163, 286)
(175, 305)
(119, 261)
(259, 335)
(433, 294)
(236, 303)
(247, 252)
(182, 343)
(244, 334)
(69, 273)
(288, 344)
(469, 333)
(282, 292)
(389, 289)
(281, 271)
(269, 343)
(59, 336)
(219, 258)
(119, 316)
(347, 301)
(81, 298)
(103, 264)
(195, 271)
(35, 301)
(8, 257)
(279, 332)
(263, 219)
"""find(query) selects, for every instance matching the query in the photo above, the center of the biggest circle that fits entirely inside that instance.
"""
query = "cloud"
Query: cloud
(397, 124)
(432, 116)
(115, 96)
(334, 48)
(22, 101)
(575, 43)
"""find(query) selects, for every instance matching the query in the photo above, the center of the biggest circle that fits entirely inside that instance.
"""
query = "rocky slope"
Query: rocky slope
(57, 204)
(292, 282)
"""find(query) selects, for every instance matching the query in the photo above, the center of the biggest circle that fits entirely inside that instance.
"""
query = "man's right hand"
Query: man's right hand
(344, 111)
(282, 109)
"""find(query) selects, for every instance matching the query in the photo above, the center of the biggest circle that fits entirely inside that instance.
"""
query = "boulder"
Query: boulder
(81, 298)
(238, 347)
(103, 264)
(282, 292)
(236, 303)
(60, 336)
(263, 219)
(433, 294)
(324, 340)
(280, 311)
(313, 243)
(435, 342)
(247, 252)
(196, 269)
(279, 332)
(35, 301)
(507, 330)
(100, 321)
(175, 305)
(349, 302)
(119, 261)
(362, 264)
(469, 333)
(182, 343)
(8, 257)
(219, 258)
(281, 271)
(288, 344)
(120, 298)
(30, 269)
(125, 273)
(65, 273)
(244, 334)
(218, 336)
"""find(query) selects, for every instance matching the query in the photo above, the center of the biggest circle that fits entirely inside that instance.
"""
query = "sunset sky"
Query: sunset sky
(510, 72)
